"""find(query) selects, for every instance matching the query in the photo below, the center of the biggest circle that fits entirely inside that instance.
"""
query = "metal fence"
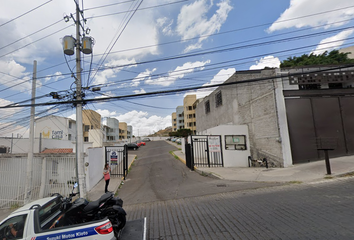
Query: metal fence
(51, 174)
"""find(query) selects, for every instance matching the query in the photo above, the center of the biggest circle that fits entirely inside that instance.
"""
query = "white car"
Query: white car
(35, 221)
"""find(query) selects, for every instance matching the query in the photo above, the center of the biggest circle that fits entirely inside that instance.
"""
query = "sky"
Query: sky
(141, 47)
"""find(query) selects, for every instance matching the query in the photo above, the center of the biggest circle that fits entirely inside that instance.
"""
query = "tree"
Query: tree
(184, 132)
(333, 57)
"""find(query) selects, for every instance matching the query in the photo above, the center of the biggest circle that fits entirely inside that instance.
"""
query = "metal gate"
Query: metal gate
(117, 158)
(313, 118)
(205, 151)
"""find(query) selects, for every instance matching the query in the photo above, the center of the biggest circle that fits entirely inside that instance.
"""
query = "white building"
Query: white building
(55, 127)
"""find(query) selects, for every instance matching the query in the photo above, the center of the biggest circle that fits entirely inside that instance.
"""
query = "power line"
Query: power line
(25, 13)
(168, 92)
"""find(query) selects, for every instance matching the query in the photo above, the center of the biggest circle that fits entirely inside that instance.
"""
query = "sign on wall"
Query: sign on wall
(214, 144)
(114, 158)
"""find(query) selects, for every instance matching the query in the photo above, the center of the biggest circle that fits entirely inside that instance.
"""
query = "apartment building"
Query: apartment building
(174, 122)
(184, 117)
(123, 130)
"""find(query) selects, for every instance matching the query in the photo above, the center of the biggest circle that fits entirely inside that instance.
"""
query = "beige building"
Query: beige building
(123, 130)
(174, 122)
(189, 112)
(184, 117)
(91, 121)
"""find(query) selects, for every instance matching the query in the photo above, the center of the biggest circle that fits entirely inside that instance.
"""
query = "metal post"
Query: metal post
(79, 137)
(28, 188)
(328, 165)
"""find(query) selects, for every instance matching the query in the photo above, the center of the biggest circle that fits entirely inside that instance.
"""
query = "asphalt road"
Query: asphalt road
(157, 176)
(180, 204)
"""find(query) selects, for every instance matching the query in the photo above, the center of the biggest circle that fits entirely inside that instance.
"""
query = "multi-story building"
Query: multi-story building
(112, 130)
(287, 120)
(184, 117)
(129, 131)
(174, 122)
(55, 127)
(123, 130)
(189, 112)
(180, 117)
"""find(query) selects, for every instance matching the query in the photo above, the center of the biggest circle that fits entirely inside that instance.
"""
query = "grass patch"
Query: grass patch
(295, 182)
(15, 206)
(351, 174)
(328, 177)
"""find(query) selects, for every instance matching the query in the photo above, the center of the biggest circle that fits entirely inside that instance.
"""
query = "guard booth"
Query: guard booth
(117, 158)
(204, 151)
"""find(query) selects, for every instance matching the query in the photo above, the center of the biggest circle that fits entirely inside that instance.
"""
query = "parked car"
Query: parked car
(139, 143)
(146, 139)
(178, 140)
(133, 146)
(168, 139)
(173, 139)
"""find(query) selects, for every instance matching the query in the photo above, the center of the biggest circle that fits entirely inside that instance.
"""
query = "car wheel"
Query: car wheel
(134, 149)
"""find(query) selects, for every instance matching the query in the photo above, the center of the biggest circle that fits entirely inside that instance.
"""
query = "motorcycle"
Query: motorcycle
(81, 210)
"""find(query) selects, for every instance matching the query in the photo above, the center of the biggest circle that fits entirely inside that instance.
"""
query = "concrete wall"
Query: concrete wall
(232, 158)
(251, 104)
(21, 145)
(94, 172)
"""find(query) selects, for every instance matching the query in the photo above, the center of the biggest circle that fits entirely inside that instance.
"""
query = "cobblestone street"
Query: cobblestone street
(312, 211)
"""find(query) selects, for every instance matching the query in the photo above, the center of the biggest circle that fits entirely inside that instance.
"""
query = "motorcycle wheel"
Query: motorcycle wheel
(117, 219)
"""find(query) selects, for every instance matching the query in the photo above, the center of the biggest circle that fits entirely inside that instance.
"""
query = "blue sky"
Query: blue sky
(153, 45)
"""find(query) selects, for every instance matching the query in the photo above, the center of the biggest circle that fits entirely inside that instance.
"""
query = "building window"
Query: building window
(235, 142)
(218, 99)
(70, 123)
(55, 167)
(190, 108)
(69, 137)
(85, 139)
(87, 128)
(207, 107)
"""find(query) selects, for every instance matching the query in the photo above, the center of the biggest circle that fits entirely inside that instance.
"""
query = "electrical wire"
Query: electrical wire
(25, 13)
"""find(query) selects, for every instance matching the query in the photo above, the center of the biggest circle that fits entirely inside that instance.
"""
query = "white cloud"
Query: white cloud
(333, 42)
(166, 25)
(268, 61)
(8, 112)
(139, 91)
(143, 124)
(219, 78)
(17, 78)
(178, 73)
(300, 8)
(193, 20)
(142, 76)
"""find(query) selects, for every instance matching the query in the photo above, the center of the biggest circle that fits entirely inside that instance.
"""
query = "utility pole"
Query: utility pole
(69, 43)
(79, 137)
(28, 188)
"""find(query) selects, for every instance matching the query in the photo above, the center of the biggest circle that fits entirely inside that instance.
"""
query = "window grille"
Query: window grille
(207, 107)
(218, 99)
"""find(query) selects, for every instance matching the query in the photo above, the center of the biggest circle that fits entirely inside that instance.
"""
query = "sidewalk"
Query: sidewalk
(306, 172)
(97, 191)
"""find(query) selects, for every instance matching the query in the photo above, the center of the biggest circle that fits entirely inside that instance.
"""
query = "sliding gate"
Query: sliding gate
(117, 158)
(204, 151)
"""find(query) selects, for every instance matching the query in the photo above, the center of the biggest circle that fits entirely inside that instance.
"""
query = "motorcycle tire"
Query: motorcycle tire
(117, 217)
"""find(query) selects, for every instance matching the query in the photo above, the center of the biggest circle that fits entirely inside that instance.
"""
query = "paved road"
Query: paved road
(180, 204)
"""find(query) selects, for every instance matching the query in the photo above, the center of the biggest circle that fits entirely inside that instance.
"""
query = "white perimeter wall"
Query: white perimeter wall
(232, 158)
(94, 171)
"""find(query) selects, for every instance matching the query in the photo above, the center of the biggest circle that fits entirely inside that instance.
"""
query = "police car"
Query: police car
(35, 221)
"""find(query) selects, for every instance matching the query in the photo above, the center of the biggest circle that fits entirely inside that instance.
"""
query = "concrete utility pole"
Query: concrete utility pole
(28, 188)
(79, 137)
